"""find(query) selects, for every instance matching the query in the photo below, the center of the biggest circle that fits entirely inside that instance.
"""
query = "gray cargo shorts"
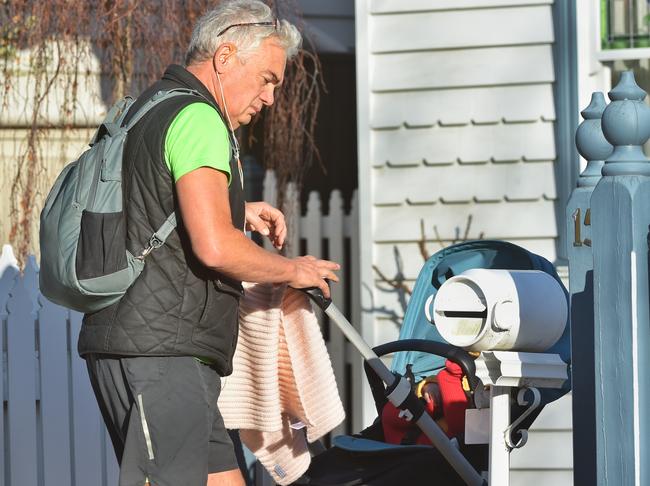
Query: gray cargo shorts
(162, 416)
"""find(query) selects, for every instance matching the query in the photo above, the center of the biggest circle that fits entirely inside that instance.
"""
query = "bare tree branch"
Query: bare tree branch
(396, 283)
(422, 243)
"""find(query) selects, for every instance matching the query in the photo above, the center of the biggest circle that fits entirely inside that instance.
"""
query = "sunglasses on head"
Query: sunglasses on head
(273, 23)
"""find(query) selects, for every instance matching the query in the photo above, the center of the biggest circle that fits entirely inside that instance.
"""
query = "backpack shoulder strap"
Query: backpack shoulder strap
(154, 101)
(113, 120)
(162, 233)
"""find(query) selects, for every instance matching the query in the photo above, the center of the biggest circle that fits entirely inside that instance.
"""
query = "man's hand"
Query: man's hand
(311, 272)
(205, 209)
(266, 220)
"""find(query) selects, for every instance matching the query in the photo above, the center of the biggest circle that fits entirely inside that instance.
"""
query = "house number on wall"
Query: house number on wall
(577, 225)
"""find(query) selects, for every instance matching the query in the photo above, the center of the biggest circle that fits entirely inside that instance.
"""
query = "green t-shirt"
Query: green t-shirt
(197, 137)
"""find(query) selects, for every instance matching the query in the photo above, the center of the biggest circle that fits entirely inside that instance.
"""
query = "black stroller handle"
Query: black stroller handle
(316, 294)
(453, 353)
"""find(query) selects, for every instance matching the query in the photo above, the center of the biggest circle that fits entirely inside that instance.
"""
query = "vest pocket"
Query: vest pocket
(235, 289)
(218, 326)
(208, 303)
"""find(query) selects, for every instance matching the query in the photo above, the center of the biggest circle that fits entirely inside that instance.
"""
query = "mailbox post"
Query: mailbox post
(503, 371)
(593, 146)
(620, 217)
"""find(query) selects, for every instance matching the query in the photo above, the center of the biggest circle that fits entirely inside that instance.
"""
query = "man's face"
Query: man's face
(250, 85)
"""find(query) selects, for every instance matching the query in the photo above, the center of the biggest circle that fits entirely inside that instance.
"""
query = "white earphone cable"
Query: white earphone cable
(225, 109)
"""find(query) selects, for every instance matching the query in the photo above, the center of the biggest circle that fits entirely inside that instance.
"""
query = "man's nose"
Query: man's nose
(268, 96)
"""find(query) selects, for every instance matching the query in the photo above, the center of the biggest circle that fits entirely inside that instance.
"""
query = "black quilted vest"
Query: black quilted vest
(177, 306)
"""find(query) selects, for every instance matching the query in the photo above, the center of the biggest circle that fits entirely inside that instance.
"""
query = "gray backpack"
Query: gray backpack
(91, 269)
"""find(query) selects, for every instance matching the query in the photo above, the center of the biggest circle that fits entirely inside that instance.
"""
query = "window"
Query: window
(625, 41)
(624, 24)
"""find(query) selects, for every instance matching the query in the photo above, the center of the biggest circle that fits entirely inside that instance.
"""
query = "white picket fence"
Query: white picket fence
(337, 231)
(51, 432)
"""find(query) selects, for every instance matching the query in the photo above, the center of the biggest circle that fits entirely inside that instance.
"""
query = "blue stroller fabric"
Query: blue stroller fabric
(454, 260)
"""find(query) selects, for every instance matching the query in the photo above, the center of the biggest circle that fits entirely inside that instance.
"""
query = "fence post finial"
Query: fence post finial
(626, 125)
(591, 142)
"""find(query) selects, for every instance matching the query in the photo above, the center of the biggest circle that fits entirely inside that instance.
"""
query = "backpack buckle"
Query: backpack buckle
(154, 243)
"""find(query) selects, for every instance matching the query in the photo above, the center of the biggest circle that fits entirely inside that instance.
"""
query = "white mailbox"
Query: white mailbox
(484, 309)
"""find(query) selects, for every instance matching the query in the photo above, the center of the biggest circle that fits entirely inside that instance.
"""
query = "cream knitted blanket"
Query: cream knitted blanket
(282, 380)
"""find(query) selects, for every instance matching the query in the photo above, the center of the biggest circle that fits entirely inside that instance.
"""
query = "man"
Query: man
(155, 358)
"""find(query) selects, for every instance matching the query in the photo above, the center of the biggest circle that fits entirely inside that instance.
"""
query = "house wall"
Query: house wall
(456, 137)
(55, 147)
(460, 125)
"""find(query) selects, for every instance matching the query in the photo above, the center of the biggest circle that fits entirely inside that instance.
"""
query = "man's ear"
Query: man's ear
(224, 57)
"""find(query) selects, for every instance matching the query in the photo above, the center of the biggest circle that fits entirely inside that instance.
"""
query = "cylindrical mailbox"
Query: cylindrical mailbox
(518, 310)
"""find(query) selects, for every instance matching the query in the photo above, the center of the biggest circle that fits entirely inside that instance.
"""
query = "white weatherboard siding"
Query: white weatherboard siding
(439, 30)
(395, 6)
(471, 67)
(457, 123)
(465, 144)
(547, 458)
(497, 219)
(510, 104)
(468, 182)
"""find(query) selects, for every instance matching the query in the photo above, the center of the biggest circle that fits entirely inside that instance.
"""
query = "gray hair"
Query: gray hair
(204, 42)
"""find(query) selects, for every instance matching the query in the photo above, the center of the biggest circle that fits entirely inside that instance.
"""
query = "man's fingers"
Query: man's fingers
(326, 264)
(324, 288)
(257, 224)
(267, 220)
(329, 275)
(330, 265)
(281, 236)
(326, 269)
(278, 237)
(274, 218)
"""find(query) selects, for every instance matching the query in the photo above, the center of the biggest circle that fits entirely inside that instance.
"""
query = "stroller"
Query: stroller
(366, 458)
